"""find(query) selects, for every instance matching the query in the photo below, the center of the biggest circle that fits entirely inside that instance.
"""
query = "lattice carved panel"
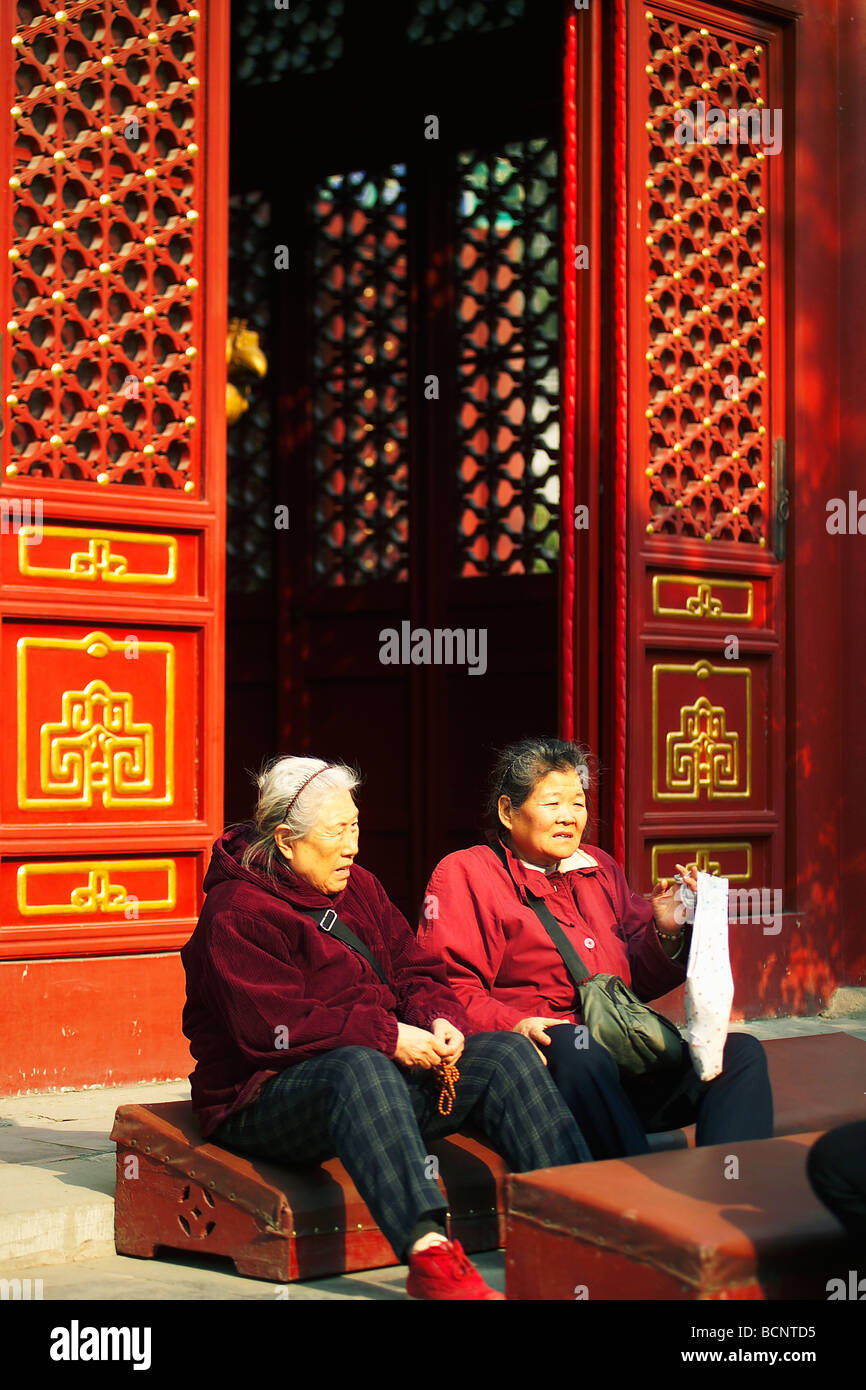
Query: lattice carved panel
(102, 376)
(508, 388)
(706, 246)
(271, 43)
(249, 499)
(434, 21)
(359, 376)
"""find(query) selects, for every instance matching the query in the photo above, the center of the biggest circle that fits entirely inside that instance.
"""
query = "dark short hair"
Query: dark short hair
(521, 766)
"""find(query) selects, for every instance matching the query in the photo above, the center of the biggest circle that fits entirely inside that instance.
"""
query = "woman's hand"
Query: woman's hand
(535, 1029)
(449, 1039)
(417, 1048)
(668, 911)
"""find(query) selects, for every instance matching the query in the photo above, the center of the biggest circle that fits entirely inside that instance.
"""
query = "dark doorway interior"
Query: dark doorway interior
(407, 160)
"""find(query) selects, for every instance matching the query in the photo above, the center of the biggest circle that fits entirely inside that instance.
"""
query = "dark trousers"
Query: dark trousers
(614, 1112)
(837, 1171)
(358, 1105)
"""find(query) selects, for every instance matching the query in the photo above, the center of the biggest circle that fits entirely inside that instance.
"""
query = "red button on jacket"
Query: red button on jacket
(501, 963)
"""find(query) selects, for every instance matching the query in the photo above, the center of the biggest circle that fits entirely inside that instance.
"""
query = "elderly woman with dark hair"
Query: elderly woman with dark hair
(507, 973)
(320, 1027)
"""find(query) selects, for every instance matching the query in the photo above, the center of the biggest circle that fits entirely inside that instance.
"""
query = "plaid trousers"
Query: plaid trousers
(614, 1111)
(358, 1105)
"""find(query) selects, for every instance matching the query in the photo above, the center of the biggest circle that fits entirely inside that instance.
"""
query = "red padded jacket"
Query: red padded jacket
(501, 962)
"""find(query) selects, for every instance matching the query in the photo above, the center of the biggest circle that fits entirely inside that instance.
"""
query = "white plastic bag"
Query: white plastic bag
(709, 982)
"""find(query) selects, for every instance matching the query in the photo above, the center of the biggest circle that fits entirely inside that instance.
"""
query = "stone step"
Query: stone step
(57, 1210)
(57, 1172)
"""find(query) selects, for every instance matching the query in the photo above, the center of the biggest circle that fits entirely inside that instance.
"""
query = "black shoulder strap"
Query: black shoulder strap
(329, 922)
(573, 963)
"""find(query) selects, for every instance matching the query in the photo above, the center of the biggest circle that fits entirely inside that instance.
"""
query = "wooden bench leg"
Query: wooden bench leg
(156, 1207)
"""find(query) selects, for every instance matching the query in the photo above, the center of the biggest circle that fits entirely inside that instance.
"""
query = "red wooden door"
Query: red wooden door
(111, 653)
(698, 637)
(419, 450)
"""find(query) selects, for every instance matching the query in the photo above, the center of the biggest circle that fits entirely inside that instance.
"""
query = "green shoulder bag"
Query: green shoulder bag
(639, 1039)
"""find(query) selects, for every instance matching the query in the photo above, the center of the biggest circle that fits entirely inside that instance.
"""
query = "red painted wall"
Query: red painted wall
(852, 471)
(91, 1022)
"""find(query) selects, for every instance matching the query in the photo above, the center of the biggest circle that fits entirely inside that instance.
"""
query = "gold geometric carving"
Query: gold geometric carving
(698, 753)
(98, 561)
(703, 753)
(699, 853)
(704, 603)
(99, 893)
(96, 746)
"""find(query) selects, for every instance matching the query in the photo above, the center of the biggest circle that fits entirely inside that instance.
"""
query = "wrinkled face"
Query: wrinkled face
(549, 824)
(324, 856)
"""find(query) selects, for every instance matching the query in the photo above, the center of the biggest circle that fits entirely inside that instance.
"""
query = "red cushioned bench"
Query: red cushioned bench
(274, 1222)
(676, 1225)
(284, 1223)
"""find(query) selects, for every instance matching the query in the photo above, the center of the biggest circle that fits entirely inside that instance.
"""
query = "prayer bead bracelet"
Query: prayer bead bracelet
(671, 935)
(449, 1076)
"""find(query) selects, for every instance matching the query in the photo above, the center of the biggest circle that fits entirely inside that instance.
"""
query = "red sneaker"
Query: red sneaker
(442, 1271)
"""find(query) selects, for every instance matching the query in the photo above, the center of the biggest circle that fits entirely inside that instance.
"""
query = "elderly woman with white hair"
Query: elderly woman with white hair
(320, 1027)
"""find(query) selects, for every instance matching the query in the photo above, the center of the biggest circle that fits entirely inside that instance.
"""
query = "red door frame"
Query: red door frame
(848, 907)
(581, 374)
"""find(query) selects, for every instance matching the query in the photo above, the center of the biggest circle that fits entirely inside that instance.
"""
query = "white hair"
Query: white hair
(278, 804)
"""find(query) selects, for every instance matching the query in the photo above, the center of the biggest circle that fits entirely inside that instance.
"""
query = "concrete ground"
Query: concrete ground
(179, 1277)
(57, 1199)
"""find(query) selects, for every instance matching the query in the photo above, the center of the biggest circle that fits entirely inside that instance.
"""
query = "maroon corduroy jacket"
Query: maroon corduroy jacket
(267, 988)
